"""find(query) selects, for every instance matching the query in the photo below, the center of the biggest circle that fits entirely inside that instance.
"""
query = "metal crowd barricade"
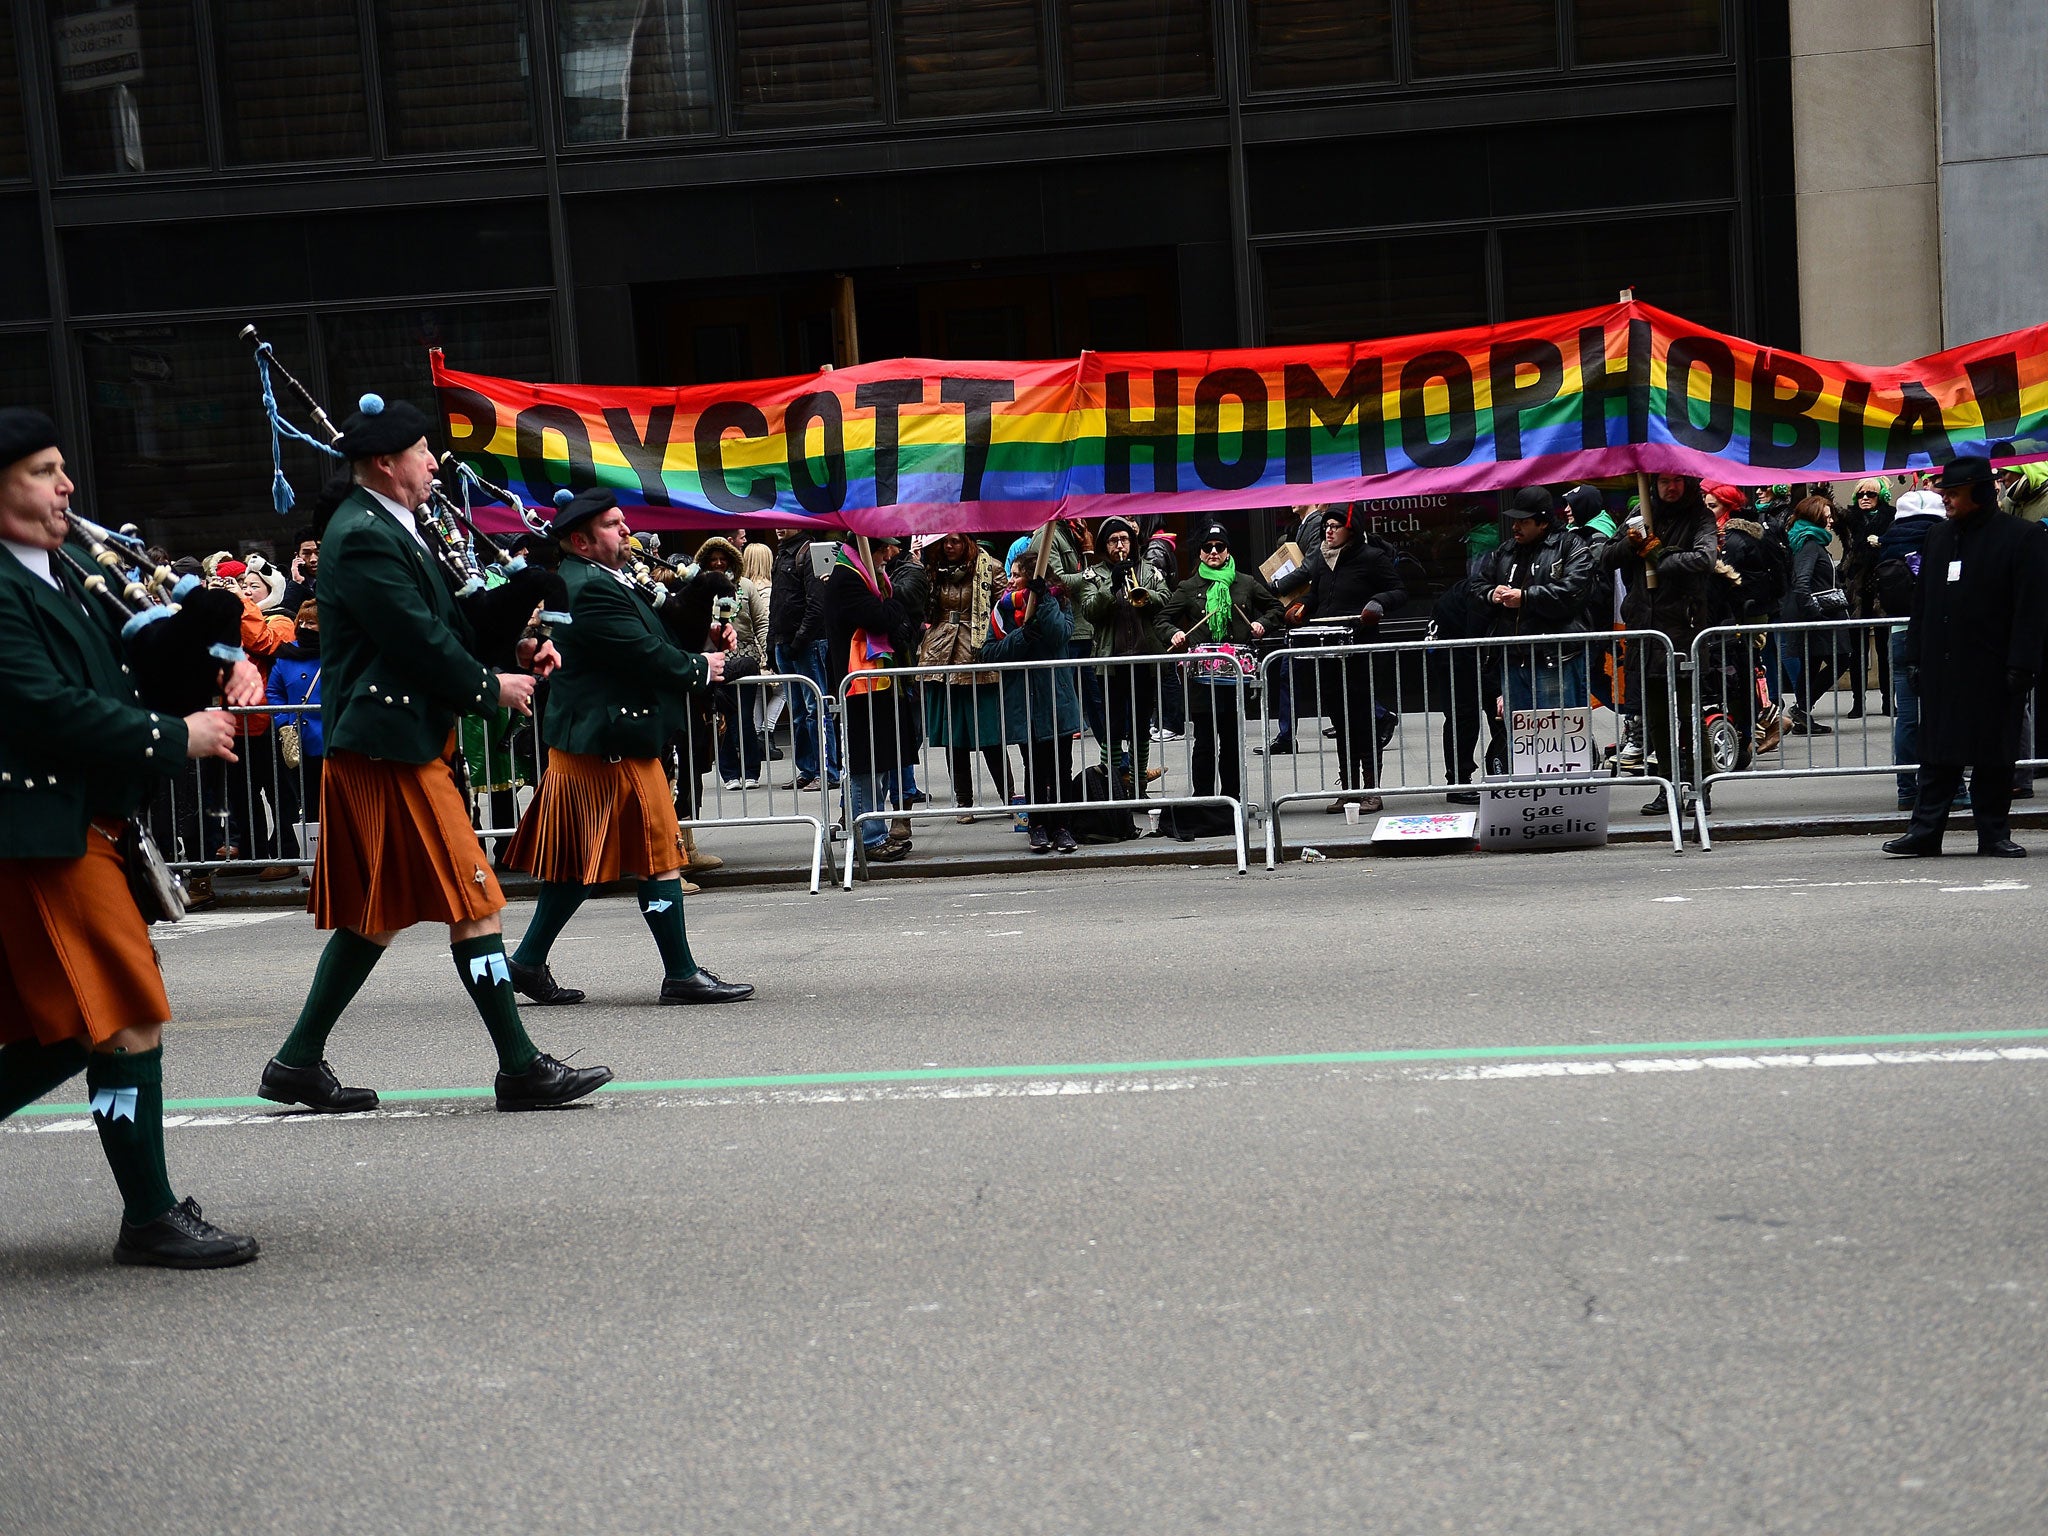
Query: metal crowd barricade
(1133, 687)
(1747, 670)
(733, 727)
(253, 813)
(1375, 688)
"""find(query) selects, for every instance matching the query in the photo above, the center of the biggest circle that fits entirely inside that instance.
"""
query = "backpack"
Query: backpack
(1764, 563)
(1896, 579)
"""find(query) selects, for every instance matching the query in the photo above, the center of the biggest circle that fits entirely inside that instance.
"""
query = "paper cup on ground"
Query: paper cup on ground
(1351, 813)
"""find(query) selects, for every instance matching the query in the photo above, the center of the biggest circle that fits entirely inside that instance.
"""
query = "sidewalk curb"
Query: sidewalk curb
(1127, 856)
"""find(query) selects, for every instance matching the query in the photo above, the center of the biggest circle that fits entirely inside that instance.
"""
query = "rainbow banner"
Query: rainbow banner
(918, 446)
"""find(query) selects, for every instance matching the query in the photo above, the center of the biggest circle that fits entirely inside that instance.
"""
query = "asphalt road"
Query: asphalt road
(1548, 1272)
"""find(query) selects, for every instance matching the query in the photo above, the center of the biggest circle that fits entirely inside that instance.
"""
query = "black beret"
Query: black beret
(380, 427)
(23, 432)
(580, 509)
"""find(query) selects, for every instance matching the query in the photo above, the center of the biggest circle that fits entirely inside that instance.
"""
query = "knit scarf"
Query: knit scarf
(1216, 607)
(1803, 532)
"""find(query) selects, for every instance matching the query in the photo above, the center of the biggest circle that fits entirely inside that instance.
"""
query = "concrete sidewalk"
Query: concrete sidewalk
(1863, 805)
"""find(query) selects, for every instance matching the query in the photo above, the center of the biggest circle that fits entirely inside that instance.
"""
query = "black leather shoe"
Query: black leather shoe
(700, 986)
(537, 984)
(182, 1239)
(1282, 746)
(548, 1084)
(1910, 847)
(2004, 848)
(315, 1087)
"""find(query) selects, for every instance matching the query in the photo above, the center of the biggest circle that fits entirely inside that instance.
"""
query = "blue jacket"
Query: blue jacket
(1037, 706)
(293, 677)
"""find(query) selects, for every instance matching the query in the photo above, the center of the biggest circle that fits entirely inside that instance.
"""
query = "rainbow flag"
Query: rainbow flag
(922, 446)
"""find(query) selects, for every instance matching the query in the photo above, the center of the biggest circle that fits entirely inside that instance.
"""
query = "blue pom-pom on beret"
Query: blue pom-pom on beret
(370, 405)
(564, 496)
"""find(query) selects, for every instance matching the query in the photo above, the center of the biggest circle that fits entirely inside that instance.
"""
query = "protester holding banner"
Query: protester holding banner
(1121, 599)
(963, 709)
(869, 630)
(1811, 656)
(1041, 708)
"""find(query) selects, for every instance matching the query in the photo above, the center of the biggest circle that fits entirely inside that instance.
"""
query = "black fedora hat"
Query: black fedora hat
(1964, 469)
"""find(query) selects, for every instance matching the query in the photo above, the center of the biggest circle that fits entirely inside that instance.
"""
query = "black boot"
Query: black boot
(182, 1239)
(315, 1087)
(1913, 846)
(548, 1084)
(537, 984)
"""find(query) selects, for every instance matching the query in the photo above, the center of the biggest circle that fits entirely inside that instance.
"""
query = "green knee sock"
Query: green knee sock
(29, 1070)
(551, 913)
(661, 903)
(345, 964)
(128, 1107)
(480, 962)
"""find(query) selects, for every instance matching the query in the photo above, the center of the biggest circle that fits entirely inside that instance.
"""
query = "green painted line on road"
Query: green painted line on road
(1137, 1068)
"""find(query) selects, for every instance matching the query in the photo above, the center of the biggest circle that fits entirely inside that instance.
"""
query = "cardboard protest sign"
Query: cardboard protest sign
(1557, 742)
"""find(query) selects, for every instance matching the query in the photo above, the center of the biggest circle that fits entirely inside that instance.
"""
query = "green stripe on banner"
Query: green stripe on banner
(1135, 1068)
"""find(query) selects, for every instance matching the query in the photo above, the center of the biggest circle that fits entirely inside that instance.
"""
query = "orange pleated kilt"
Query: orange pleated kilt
(598, 819)
(75, 958)
(396, 848)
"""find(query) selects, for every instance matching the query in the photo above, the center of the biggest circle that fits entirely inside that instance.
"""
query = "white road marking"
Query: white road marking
(213, 922)
(1988, 885)
(1083, 1087)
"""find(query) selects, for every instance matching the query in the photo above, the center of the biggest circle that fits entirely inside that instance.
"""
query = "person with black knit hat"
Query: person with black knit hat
(604, 810)
(1973, 644)
(1122, 601)
(396, 844)
(80, 988)
(1218, 605)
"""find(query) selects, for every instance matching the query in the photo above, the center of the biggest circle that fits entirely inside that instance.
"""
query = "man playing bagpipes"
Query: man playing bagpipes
(396, 845)
(604, 810)
(80, 989)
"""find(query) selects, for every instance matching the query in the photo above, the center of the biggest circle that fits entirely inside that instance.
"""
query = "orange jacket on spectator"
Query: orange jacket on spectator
(262, 634)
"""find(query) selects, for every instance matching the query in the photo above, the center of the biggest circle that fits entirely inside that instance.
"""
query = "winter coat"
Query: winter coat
(294, 679)
(876, 720)
(1966, 634)
(1364, 579)
(1040, 705)
(1903, 542)
(1813, 570)
(794, 595)
(1681, 605)
(2029, 499)
(958, 601)
(1251, 602)
(1555, 576)
(1065, 566)
(1123, 605)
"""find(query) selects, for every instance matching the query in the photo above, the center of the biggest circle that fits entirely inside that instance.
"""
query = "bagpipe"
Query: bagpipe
(181, 636)
(504, 597)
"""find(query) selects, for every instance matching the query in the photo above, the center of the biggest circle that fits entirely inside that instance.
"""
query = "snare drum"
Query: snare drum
(1223, 664)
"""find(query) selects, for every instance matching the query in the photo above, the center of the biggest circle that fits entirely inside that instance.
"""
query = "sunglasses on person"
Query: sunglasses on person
(1215, 549)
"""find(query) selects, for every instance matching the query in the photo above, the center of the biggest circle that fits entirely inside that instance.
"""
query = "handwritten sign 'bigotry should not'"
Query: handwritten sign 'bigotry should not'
(1551, 742)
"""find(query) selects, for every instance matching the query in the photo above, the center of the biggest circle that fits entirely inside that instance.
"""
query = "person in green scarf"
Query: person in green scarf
(1221, 605)
(1810, 655)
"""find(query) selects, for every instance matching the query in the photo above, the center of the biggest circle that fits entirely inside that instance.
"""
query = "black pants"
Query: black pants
(1048, 764)
(1130, 697)
(1990, 800)
(1344, 686)
(1219, 744)
(961, 759)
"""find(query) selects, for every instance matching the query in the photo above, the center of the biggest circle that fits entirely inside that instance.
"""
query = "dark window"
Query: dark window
(454, 75)
(179, 443)
(1621, 31)
(127, 86)
(634, 69)
(291, 80)
(1299, 44)
(386, 350)
(1470, 37)
(1136, 50)
(954, 59)
(803, 61)
(1682, 264)
(13, 146)
(1360, 289)
(25, 371)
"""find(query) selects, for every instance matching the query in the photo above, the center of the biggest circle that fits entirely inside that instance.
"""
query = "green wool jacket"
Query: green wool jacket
(622, 678)
(74, 741)
(394, 646)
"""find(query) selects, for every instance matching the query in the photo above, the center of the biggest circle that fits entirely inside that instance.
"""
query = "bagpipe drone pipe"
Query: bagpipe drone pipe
(181, 637)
